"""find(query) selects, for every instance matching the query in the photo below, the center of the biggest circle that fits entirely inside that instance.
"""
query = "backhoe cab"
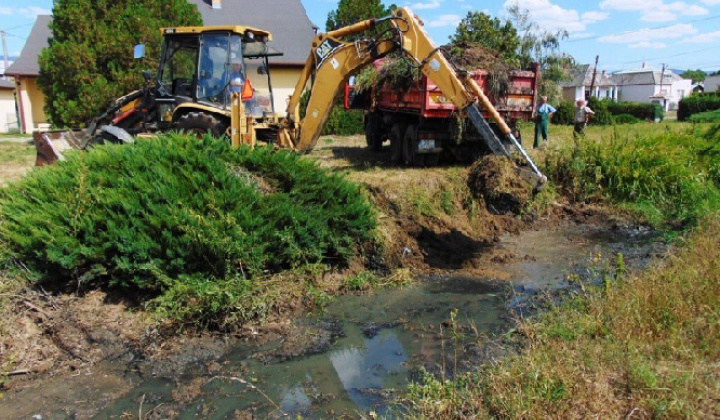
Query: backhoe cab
(210, 79)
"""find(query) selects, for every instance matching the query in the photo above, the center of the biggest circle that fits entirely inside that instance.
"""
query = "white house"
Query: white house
(8, 116)
(581, 84)
(712, 83)
(655, 86)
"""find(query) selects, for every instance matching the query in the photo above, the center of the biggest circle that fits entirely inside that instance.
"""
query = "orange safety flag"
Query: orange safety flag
(247, 91)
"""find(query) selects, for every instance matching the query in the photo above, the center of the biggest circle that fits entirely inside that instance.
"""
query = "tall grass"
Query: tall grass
(173, 216)
(670, 178)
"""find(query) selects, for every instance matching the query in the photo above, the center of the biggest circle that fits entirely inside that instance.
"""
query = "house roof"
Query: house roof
(6, 84)
(582, 75)
(286, 19)
(27, 63)
(644, 76)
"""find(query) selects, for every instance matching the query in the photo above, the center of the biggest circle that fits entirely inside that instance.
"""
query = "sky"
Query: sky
(623, 34)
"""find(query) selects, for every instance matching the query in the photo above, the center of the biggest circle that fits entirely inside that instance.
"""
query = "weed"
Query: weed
(362, 281)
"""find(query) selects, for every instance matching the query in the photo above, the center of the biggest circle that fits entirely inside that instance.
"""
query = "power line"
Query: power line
(640, 30)
(19, 26)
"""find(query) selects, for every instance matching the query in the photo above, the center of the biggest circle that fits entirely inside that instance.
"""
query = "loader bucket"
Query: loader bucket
(50, 145)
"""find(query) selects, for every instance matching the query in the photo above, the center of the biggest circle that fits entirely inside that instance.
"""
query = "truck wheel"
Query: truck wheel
(397, 133)
(410, 155)
(373, 132)
(200, 123)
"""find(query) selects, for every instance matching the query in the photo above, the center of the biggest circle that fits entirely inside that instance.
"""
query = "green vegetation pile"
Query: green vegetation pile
(668, 179)
(398, 72)
(189, 227)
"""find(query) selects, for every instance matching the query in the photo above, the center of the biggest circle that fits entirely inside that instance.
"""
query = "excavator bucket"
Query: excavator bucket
(50, 145)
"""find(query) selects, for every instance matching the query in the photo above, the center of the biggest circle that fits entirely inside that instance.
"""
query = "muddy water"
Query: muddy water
(375, 344)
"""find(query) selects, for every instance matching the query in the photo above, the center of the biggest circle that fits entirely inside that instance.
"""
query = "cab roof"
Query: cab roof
(238, 29)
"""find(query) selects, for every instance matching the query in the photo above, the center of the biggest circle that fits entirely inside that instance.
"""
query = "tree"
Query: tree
(492, 33)
(696, 76)
(352, 11)
(542, 47)
(89, 61)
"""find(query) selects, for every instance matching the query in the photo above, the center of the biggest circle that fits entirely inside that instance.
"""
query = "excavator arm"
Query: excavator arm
(333, 60)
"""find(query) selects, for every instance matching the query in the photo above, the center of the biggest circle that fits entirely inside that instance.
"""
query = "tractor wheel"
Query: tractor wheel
(200, 123)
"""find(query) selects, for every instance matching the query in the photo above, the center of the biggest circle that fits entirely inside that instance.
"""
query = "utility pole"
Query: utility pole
(662, 77)
(592, 83)
(5, 53)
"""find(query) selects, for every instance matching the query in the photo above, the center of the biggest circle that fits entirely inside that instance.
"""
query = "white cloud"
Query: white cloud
(648, 45)
(445, 20)
(703, 38)
(592, 17)
(431, 5)
(656, 10)
(650, 35)
(29, 12)
(630, 5)
(550, 16)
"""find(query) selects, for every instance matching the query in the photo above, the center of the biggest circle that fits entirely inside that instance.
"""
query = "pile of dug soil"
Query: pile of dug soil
(494, 180)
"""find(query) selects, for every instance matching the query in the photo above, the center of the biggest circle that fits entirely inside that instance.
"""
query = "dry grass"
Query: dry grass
(16, 158)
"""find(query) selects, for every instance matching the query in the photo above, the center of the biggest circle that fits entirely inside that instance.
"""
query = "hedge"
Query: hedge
(697, 103)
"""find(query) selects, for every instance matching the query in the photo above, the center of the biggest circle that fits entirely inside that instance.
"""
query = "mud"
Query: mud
(71, 356)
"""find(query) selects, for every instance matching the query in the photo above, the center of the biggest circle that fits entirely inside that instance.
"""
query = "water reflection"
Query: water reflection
(364, 369)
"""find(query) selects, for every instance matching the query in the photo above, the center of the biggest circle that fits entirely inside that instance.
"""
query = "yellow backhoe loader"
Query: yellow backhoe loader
(181, 99)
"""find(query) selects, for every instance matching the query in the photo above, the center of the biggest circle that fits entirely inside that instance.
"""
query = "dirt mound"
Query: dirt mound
(494, 180)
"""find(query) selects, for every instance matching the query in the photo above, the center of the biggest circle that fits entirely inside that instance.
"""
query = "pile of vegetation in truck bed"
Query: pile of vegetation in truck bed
(186, 225)
(399, 73)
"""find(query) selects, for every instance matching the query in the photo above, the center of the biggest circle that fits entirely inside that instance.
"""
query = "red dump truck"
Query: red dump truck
(422, 124)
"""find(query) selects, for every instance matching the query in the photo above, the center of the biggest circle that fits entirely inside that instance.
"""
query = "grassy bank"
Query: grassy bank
(646, 346)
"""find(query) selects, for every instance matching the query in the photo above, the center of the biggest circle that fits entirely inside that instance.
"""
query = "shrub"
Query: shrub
(565, 113)
(641, 111)
(341, 121)
(170, 213)
(696, 104)
(706, 117)
(602, 115)
(625, 119)
(344, 122)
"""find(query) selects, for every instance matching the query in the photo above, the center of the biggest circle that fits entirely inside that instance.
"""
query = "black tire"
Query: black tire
(373, 132)
(200, 123)
(397, 133)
